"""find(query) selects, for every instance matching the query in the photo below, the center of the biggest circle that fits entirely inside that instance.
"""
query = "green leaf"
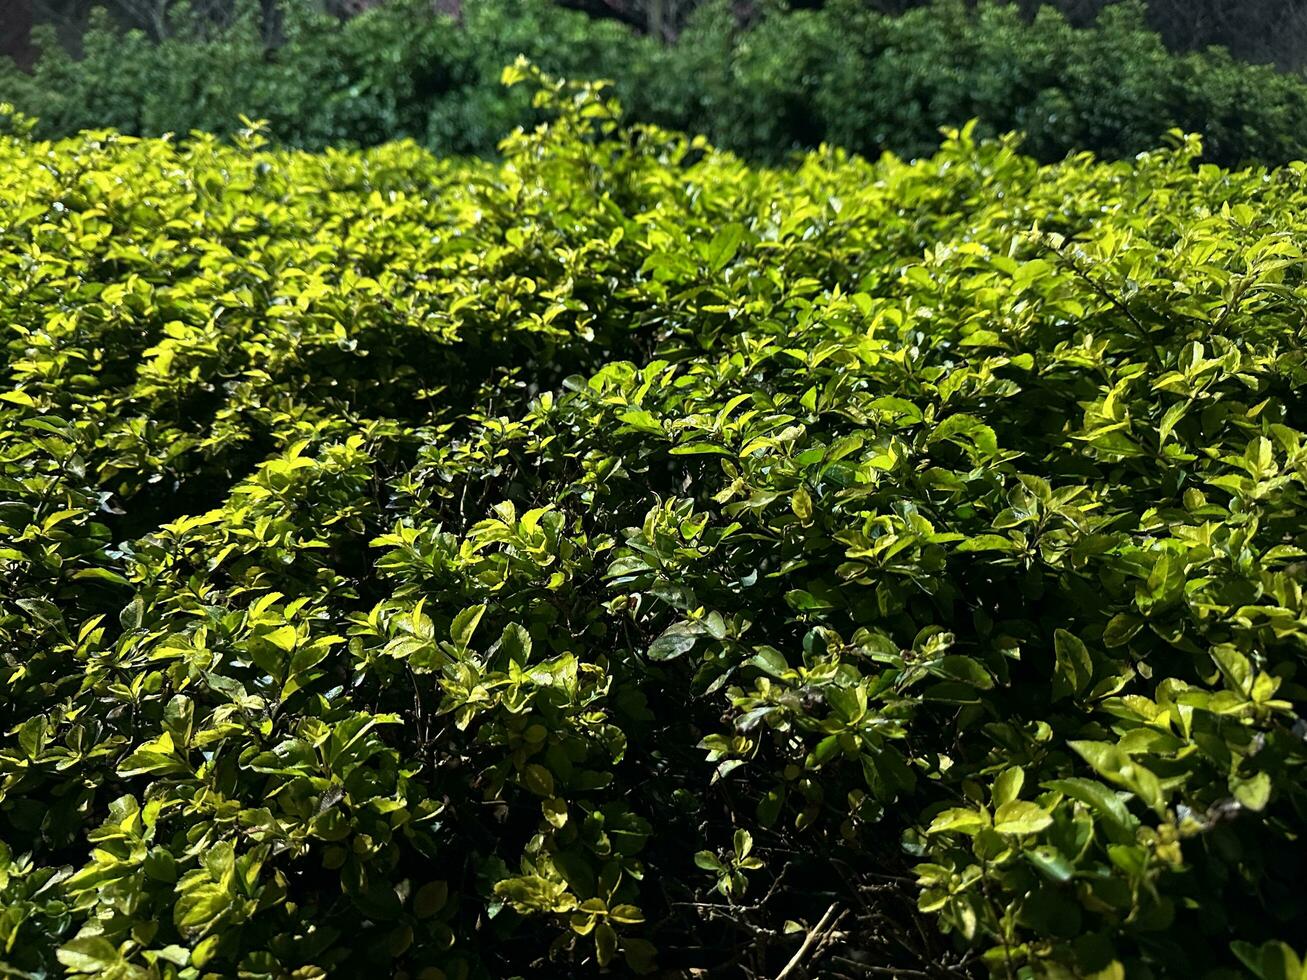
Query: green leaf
(283, 638)
(725, 243)
(133, 615)
(676, 640)
(1117, 767)
(199, 907)
(1074, 668)
(770, 661)
(801, 504)
(967, 430)
(966, 669)
(516, 644)
(1121, 629)
(709, 861)
(1051, 862)
(1103, 801)
(639, 419)
(987, 542)
(464, 625)
(17, 397)
(89, 954)
(555, 811)
(1021, 817)
(430, 899)
(1234, 666)
(959, 820)
(1007, 786)
(605, 943)
(538, 779)
(900, 409)
(101, 575)
(1254, 792)
(700, 449)
(1273, 960)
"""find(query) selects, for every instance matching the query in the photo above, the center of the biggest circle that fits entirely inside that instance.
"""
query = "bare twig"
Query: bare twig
(813, 935)
(888, 971)
(832, 935)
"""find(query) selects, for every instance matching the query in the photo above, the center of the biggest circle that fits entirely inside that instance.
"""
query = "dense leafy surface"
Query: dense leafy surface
(844, 74)
(623, 556)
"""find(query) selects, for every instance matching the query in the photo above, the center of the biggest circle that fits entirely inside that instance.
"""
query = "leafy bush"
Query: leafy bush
(623, 557)
(845, 74)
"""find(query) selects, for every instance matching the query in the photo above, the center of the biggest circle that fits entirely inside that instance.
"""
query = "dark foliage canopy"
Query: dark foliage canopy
(763, 84)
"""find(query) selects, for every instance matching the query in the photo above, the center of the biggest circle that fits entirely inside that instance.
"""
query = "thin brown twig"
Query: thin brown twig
(888, 971)
(813, 934)
(831, 935)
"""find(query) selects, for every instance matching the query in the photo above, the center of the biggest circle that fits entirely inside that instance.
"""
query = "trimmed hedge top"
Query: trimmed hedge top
(620, 557)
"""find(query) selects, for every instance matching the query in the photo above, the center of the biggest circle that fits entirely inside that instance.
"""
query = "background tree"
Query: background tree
(1272, 31)
(16, 31)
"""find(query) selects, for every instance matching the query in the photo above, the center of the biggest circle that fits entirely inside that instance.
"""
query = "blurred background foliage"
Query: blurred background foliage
(761, 77)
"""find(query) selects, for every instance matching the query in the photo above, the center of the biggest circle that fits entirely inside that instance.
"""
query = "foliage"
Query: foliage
(845, 74)
(617, 556)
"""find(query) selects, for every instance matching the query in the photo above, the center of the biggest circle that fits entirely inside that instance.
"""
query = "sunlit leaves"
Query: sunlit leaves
(469, 566)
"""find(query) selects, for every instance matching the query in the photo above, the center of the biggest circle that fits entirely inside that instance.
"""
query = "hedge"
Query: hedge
(792, 79)
(622, 558)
